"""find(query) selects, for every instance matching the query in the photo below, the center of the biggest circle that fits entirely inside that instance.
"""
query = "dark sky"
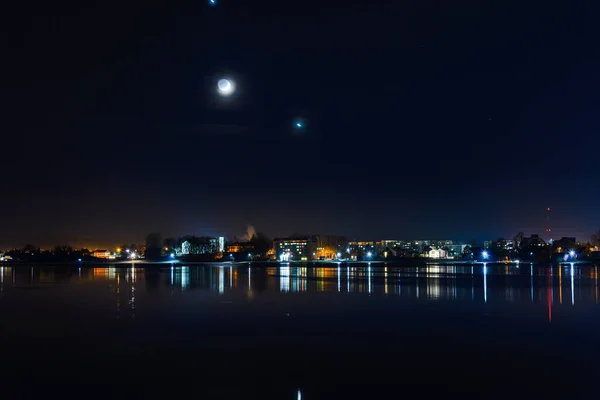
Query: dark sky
(424, 119)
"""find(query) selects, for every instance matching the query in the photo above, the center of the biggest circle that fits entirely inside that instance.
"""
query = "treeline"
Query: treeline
(58, 253)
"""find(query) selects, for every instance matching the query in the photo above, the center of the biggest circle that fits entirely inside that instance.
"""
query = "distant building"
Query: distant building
(565, 244)
(102, 254)
(240, 247)
(294, 249)
(185, 248)
(416, 246)
(533, 241)
(455, 250)
(534, 248)
(200, 245)
(437, 253)
(505, 244)
(361, 245)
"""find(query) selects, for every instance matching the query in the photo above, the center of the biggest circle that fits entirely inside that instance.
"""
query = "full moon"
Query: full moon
(225, 87)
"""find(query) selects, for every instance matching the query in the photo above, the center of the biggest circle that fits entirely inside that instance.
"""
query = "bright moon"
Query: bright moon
(226, 87)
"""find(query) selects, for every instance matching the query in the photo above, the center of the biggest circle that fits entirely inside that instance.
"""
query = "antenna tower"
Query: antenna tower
(548, 229)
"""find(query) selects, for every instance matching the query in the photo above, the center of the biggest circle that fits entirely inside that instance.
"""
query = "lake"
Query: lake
(281, 331)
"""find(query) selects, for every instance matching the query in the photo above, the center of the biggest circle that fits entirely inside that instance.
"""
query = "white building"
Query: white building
(185, 248)
(437, 253)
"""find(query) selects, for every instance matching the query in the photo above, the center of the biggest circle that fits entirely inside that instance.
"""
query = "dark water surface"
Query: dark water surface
(276, 331)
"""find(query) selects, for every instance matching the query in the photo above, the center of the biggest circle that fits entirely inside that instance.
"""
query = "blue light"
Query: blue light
(485, 255)
(212, 2)
(79, 259)
(369, 254)
(298, 124)
(572, 253)
(172, 255)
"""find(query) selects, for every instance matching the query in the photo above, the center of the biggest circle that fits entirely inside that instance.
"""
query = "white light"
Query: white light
(172, 255)
(485, 282)
(225, 87)
(485, 254)
(339, 255)
(572, 253)
(369, 254)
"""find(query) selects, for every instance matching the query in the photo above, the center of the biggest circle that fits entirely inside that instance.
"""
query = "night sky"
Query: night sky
(422, 119)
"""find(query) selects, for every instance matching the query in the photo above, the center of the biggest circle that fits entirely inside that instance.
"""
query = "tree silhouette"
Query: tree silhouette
(595, 239)
(261, 242)
(154, 241)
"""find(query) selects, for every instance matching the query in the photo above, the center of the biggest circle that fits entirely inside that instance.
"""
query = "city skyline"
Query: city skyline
(251, 232)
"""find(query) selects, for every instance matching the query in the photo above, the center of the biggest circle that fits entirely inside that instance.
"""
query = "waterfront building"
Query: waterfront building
(295, 249)
(193, 245)
(102, 254)
(240, 247)
(437, 253)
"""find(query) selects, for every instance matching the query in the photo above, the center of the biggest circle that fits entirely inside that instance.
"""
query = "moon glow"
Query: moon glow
(225, 87)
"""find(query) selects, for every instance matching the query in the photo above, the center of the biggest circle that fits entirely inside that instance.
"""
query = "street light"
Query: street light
(339, 255)
(485, 255)
(369, 254)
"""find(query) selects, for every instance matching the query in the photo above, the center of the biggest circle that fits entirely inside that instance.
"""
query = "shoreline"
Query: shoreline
(408, 263)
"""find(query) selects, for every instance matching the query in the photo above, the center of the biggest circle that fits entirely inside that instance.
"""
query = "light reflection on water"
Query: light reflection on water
(477, 283)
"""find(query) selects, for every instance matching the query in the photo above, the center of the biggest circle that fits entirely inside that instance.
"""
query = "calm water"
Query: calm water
(289, 332)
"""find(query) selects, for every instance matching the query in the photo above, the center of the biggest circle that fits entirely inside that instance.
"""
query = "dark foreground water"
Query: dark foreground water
(290, 332)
